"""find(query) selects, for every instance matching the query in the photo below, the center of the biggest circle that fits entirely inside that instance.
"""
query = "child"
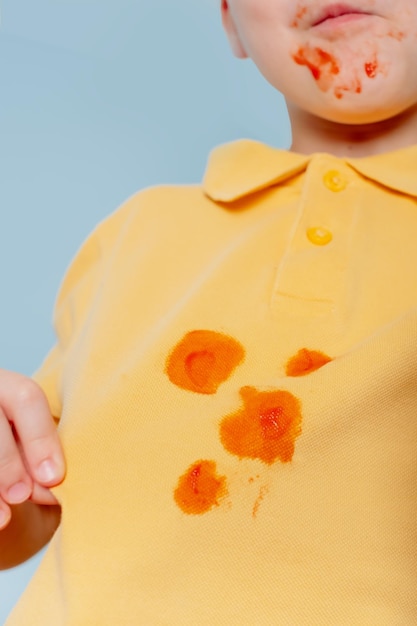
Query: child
(235, 369)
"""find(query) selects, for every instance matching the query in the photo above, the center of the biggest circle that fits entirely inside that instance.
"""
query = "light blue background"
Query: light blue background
(98, 99)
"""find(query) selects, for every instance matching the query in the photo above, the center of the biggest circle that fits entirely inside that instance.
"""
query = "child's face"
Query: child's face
(351, 63)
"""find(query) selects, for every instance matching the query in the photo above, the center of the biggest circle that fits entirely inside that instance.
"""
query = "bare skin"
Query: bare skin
(313, 134)
(31, 462)
(350, 81)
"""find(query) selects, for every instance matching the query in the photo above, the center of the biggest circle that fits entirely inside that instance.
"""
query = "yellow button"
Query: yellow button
(334, 181)
(319, 236)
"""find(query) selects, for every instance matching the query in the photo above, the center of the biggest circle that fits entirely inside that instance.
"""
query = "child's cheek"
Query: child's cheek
(342, 67)
(353, 63)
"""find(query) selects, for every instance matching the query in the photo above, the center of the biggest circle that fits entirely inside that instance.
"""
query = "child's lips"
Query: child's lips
(335, 14)
(341, 19)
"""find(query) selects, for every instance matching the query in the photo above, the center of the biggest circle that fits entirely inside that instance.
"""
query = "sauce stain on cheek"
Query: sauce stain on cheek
(371, 69)
(355, 86)
(326, 71)
(372, 66)
(265, 428)
(301, 12)
(200, 488)
(396, 34)
(322, 65)
(203, 360)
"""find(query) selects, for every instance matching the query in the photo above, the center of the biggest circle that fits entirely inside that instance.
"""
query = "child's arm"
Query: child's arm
(31, 461)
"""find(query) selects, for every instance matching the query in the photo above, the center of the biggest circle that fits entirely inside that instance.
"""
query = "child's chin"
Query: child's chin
(354, 113)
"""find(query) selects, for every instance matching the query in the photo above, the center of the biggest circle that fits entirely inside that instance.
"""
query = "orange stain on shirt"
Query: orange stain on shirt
(200, 488)
(263, 491)
(305, 362)
(265, 428)
(203, 360)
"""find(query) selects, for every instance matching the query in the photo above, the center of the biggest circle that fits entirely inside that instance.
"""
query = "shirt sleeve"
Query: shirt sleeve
(74, 297)
(78, 292)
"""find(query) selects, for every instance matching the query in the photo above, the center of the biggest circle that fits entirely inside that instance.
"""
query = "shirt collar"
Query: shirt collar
(243, 167)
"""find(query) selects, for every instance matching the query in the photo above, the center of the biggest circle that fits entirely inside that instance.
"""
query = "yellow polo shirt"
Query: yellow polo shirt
(236, 381)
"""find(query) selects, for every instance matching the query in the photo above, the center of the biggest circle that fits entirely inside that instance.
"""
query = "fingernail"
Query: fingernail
(18, 493)
(47, 471)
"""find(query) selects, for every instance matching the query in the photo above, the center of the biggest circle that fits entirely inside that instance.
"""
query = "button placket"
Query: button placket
(314, 269)
(335, 182)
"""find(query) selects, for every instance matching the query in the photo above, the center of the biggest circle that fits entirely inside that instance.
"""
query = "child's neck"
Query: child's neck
(312, 134)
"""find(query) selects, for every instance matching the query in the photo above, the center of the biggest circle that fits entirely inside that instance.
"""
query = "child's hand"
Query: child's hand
(31, 458)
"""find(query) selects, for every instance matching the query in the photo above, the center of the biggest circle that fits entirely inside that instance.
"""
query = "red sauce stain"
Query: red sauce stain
(396, 34)
(200, 488)
(354, 87)
(299, 16)
(265, 427)
(203, 360)
(305, 362)
(262, 493)
(322, 65)
(371, 68)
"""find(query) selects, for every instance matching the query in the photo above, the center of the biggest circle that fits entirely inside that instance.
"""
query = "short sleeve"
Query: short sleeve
(74, 297)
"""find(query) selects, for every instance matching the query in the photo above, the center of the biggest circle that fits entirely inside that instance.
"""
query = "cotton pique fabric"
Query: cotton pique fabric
(236, 386)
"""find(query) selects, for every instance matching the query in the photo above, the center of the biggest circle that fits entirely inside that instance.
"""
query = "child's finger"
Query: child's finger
(5, 514)
(26, 407)
(15, 483)
(43, 495)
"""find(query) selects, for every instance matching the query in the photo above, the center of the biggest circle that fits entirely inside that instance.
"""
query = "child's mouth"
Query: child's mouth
(338, 14)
